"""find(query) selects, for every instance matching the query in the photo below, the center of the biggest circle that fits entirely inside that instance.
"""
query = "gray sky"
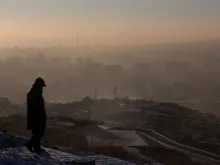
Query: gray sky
(108, 21)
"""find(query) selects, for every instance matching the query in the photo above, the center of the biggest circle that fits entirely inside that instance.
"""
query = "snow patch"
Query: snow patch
(13, 152)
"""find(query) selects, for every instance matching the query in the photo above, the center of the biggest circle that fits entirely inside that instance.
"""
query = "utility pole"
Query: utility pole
(96, 94)
(115, 92)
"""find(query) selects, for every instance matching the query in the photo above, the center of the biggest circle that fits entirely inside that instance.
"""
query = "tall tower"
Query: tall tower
(77, 37)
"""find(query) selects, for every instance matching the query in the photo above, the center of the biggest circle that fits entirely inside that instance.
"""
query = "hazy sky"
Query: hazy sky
(113, 22)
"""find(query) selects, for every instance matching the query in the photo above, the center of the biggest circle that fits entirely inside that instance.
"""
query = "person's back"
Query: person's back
(35, 107)
(36, 115)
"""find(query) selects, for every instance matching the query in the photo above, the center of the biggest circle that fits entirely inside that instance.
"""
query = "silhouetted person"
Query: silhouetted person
(36, 115)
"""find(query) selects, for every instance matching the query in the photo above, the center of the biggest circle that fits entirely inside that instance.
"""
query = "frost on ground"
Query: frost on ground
(21, 156)
(13, 152)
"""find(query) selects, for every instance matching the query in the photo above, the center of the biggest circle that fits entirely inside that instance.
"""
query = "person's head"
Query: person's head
(40, 83)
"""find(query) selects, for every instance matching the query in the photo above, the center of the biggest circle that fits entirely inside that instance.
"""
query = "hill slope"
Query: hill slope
(13, 152)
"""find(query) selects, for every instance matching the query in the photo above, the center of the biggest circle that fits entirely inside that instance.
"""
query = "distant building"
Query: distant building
(4, 102)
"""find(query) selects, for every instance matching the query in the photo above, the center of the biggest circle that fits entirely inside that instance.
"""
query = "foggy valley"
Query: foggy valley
(174, 72)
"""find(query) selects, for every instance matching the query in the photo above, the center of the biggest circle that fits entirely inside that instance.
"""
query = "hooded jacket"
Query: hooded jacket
(36, 115)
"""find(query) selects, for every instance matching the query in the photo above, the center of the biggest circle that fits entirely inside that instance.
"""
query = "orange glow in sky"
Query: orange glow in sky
(131, 22)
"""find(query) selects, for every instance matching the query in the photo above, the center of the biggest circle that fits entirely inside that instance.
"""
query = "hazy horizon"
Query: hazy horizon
(125, 22)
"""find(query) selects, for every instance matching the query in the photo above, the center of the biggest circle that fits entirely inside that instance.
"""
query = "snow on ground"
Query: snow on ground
(13, 152)
(21, 156)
